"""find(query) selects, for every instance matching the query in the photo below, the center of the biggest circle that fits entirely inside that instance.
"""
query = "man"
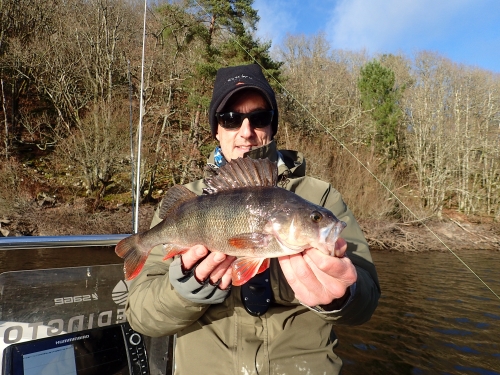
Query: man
(281, 321)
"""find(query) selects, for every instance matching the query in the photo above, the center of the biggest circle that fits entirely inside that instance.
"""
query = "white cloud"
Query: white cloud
(379, 25)
(465, 31)
(276, 19)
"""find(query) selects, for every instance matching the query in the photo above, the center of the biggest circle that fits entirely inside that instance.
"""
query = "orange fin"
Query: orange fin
(245, 268)
(173, 250)
(250, 240)
(133, 254)
(265, 265)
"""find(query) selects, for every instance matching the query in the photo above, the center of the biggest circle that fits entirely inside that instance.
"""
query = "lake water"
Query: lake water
(434, 317)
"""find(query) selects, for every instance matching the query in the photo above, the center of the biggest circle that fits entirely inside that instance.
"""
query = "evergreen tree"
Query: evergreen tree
(229, 36)
(379, 95)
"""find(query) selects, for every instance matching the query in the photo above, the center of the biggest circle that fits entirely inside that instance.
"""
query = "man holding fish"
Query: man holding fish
(247, 266)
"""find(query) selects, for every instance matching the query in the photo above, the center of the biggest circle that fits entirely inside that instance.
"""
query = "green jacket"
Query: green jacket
(289, 338)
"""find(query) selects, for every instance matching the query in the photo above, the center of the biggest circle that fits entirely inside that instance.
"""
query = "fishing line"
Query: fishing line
(327, 131)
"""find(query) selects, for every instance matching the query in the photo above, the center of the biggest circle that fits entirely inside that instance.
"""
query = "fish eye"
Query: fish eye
(316, 216)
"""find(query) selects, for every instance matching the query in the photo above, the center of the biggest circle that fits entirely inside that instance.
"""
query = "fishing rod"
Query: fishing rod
(328, 131)
(131, 134)
(136, 198)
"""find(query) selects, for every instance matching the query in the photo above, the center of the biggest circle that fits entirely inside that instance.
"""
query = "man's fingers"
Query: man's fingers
(221, 269)
(215, 266)
(226, 279)
(340, 247)
(208, 265)
(299, 277)
(324, 266)
(287, 269)
(193, 255)
(302, 271)
(333, 286)
(317, 278)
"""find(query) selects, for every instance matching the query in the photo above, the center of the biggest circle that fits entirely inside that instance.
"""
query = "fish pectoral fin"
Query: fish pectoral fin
(172, 250)
(245, 268)
(250, 240)
(265, 265)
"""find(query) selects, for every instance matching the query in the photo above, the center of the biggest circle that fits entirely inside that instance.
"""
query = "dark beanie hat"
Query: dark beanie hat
(236, 78)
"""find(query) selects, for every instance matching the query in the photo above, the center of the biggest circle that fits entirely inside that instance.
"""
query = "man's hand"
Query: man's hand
(215, 266)
(318, 278)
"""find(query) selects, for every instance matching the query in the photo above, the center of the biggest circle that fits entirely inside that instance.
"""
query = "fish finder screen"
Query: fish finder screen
(57, 361)
(93, 352)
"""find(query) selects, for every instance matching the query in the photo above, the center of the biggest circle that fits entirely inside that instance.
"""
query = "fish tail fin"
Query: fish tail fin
(133, 254)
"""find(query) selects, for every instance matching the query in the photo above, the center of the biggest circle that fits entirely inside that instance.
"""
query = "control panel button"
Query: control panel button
(135, 339)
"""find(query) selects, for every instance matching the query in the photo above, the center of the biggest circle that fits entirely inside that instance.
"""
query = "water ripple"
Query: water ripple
(435, 317)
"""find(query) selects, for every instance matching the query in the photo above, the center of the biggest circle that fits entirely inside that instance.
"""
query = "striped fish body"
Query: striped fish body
(241, 214)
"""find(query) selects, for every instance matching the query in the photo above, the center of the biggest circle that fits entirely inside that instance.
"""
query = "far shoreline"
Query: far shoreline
(457, 231)
(394, 236)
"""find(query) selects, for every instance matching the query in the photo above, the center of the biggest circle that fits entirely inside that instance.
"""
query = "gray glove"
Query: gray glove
(187, 286)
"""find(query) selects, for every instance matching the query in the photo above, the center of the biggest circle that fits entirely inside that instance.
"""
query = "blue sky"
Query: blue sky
(465, 31)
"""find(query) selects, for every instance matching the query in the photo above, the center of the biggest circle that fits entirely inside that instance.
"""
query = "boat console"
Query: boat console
(70, 320)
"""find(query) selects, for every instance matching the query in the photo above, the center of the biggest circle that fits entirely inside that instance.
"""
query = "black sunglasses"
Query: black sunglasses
(233, 120)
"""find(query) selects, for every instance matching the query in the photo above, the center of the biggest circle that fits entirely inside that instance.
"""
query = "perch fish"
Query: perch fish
(243, 213)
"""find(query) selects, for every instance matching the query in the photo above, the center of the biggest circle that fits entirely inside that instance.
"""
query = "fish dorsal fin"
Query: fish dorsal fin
(242, 172)
(174, 197)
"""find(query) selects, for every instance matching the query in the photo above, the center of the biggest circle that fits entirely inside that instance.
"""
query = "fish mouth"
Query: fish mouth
(334, 234)
(325, 232)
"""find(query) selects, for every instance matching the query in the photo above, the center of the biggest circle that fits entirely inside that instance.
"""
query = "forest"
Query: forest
(404, 138)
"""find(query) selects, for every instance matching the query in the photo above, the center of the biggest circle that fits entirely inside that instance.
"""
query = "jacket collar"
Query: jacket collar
(269, 151)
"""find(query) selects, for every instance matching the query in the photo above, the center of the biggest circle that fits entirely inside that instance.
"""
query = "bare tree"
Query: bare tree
(82, 73)
(322, 92)
(476, 105)
(452, 116)
(322, 116)
(428, 143)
